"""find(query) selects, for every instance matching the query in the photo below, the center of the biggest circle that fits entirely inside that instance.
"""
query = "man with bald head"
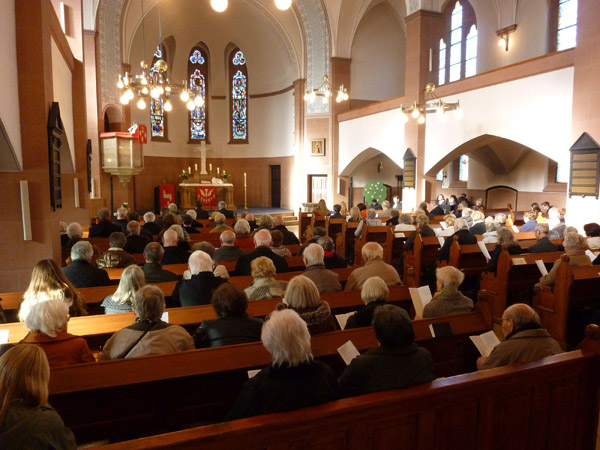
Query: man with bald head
(136, 243)
(525, 339)
(173, 253)
(228, 251)
(289, 238)
(262, 242)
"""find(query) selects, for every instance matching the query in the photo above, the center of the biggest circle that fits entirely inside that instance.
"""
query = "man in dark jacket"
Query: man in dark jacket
(543, 244)
(122, 219)
(136, 243)
(223, 210)
(80, 272)
(199, 288)
(289, 238)
(153, 270)
(397, 363)
(173, 253)
(228, 251)
(437, 210)
(104, 227)
(331, 259)
(262, 241)
(150, 225)
(200, 213)
(461, 230)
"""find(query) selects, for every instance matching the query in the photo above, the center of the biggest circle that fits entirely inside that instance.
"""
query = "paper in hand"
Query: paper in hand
(348, 352)
(252, 373)
(342, 319)
(541, 266)
(444, 225)
(442, 240)
(515, 229)
(4, 336)
(420, 297)
(165, 317)
(485, 342)
(590, 254)
(484, 250)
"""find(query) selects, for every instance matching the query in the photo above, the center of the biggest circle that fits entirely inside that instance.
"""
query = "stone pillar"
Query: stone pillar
(298, 182)
(340, 74)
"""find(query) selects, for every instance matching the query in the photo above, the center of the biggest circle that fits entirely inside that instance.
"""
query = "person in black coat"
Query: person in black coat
(262, 240)
(374, 293)
(136, 243)
(174, 254)
(104, 227)
(153, 270)
(423, 207)
(188, 224)
(233, 325)
(80, 272)
(150, 225)
(289, 238)
(223, 210)
(437, 209)
(294, 379)
(122, 219)
(199, 288)
(201, 213)
(397, 363)
(505, 240)
(331, 260)
(543, 244)
(461, 230)
(422, 224)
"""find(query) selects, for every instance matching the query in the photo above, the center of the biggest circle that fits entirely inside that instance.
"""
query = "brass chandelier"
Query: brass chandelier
(433, 105)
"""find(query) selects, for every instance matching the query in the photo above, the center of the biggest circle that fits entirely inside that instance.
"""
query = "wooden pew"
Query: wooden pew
(304, 219)
(345, 242)
(200, 386)
(382, 235)
(512, 275)
(415, 261)
(576, 289)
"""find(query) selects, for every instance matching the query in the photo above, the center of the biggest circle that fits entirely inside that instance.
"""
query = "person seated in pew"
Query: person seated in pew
(322, 209)
(318, 232)
(48, 281)
(132, 279)
(372, 254)
(47, 324)
(525, 339)
(27, 421)
(173, 254)
(188, 224)
(277, 246)
(396, 203)
(355, 215)
(148, 335)
(198, 289)
(405, 223)
(182, 237)
(251, 220)
(153, 271)
(374, 293)
(219, 270)
(506, 240)
(467, 215)
(262, 241)
(167, 220)
(324, 279)
(115, 256)
(422, 224)
(136, 242)
(592, 234)
(192, 213)
(293, 379)
(423, 207)
(331, 259)
(575, 247)
(397, 363)
(491, 232)
(556, 222)
(289, 238)
(135, 217)
(344, 210)
(264, 284)
(461, 231)
(149, 223)
(121, 219)
(232, 325)
(243, 233)
(371, 221)
(449, 219)
(375, 205)
(81, 272)
(386, 210)
(478, 226)
(228, 250)
(543, 244)
(220, 224)
(266, 222)
(394, 218)
(448, 299)
(223, 210)
(201, 214)
(337, 214)
(302, 296)
(436, 209)
(104, 227)
(529, 222)
(74, 234)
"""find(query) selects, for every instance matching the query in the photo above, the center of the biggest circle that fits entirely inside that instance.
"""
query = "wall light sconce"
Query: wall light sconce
(503, 35)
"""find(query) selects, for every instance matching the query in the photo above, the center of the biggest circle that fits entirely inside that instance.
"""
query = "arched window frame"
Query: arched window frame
(557, 27)
(234, 68)
(447, 47)
(157, 110)
(463, 168)
(204, 70)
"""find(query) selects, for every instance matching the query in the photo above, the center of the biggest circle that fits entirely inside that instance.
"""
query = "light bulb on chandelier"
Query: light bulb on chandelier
(198, 101)
(190, 105)
(218, 5)
(421, 119)
(141, 104)
(168, 107)
(283, 4)
(184, 96)
(416, 113)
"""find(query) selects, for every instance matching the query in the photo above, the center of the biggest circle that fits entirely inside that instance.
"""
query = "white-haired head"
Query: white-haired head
(200, 262)
(149, 217)
(170, 238)
(371, 251)
(262, 237)
(192, 214)
(74, 230)
(286, 337)
(242, 226)
(48, 317)
(82, 250)
(313, 254)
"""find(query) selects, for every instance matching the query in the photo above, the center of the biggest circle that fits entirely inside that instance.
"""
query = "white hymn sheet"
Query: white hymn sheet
(515, 229)
(443, 225)
(591, 254)
(165, 317)
(441, 239)
(251, 373)
(348, 352)
(431, 330)
(519, 261)
(4, 336)
(400, 235)
(420, 298)
(484, 250)
(342, 319)
(485, 342)
(541, 266)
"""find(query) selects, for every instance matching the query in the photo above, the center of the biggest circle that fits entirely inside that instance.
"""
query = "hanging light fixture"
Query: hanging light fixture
(218, 5)
(433, 105)
(324, 91)
(283, 4)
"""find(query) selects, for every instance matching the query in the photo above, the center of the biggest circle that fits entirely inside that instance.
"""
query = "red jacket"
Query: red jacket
(62, 350)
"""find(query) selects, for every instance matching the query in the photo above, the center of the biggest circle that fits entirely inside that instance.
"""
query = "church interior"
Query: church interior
(274, 105)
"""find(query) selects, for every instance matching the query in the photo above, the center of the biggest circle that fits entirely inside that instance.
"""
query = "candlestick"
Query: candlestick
(217, 171)
(196, 167)
(210, 167)
(189, 169)
(244, 179)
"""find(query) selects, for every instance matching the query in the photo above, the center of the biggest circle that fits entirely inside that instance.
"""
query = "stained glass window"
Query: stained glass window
(238, 73)
(198, 83)
(440, 175)
(463, 168)
(157, 112)
(458, 44)
(567, 24)
(471, 56)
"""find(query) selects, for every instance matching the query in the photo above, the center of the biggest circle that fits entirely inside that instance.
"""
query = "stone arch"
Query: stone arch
(112, 118)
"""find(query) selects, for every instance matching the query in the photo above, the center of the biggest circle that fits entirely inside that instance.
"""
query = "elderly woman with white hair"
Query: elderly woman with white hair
(264, 284)
(575, 247)
(198, 289)
(371, 221)
(132, 279)
(491, 232)
(405, 223)
(448, 299)
(47, 323)
(293, 380)
(148, 335)
(302, 296)
(374, 293)
(243, 233)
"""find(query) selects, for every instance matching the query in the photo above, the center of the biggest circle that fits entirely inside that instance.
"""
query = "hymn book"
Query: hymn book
(4, 336)
(420, 298)
(485, 342)
(541, 266)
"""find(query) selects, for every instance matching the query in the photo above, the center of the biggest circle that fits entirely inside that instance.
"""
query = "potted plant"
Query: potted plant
(184, 175)
(225, 176)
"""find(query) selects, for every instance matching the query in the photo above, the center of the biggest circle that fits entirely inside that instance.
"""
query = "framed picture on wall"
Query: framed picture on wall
(317, 147)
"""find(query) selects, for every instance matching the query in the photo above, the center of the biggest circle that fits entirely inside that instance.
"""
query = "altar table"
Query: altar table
(210, 194)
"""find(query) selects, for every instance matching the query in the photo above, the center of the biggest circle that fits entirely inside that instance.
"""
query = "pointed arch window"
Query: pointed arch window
(457, 57)
(238, 106)
(198, 70)
(158, 115)
(463, 168)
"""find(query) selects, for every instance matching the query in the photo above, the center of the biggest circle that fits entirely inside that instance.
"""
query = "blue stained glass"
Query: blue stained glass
(239, 97)
(463, 168)
(197, 57)
(198, 114)
(238, 59)
(157, 118)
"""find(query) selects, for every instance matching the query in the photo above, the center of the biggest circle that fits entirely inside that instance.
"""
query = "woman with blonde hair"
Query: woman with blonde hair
(132, 279)
(344, 209)
(449, 220)
(264, 284)
(48, 281)
(26, 418)
(355, 215)
(322, 209)
(302, 295)
(507, 241)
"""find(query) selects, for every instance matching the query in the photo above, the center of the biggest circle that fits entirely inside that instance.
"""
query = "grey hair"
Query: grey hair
(242, 226)
(82, 250)
(222, 205)
(543, 228)
(149, 303)
(461, 224)
(500, 218)
(490, 226)
(301, 292)
(172, 207)
(278, 220)
(133, 226)
(374, 288)
(262, 237)
(385, 204)
(554, 213)
(74, 230)
(573, 241)
(266, 221)
(372, 250)
(179, 230)
(200, 262)
(149, 217)
(48, 316)
(227, 237)
(521, 315)
(450, 276)
(219, 218)
(506, 237)
(285, 336)
(132, 279)
(405, 219)
(122, 212)
(192, 214)
(314, 254)
(103, 213)
(371, 213)
(327, 243)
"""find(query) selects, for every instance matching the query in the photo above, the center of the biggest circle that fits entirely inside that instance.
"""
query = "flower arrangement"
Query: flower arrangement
(225, 176)
(184, 175)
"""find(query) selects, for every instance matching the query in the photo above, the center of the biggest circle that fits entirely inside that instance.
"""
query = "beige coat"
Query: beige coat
(374, 268)
(578, 258)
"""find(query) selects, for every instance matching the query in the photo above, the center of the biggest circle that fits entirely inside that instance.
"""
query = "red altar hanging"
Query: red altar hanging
(207, 195)
(167, 194)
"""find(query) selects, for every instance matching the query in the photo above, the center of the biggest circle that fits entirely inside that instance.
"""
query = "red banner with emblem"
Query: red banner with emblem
(207, 195)
(167, 194)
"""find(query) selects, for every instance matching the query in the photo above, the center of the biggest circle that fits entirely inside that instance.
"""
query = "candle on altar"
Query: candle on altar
(189, 169)
(217, 171)
(210, 167)
(196, 167)
(244, 179)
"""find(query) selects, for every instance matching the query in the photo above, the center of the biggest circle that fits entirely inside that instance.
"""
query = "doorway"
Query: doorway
(275, 186)
(317, 188)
